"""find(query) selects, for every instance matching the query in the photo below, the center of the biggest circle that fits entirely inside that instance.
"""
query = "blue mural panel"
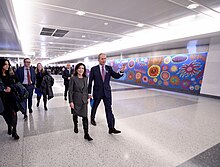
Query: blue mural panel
(179, 72)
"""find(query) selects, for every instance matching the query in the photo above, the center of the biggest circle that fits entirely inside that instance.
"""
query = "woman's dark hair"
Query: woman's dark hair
(2, 63)
(77, 67)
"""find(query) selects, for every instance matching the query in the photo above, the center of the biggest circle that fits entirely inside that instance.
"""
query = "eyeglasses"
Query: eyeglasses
(27, 62)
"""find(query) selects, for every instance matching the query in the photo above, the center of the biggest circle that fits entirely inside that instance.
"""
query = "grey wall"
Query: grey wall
(211, 78)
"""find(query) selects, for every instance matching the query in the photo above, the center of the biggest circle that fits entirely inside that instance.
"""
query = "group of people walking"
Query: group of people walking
(16, 91)
(77, 83)
(80, 92)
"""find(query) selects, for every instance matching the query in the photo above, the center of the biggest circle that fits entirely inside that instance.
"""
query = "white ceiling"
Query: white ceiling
(9, 42)
(122, 17)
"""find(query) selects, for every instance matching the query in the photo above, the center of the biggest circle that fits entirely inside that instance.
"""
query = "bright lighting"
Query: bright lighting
(140, 25)
(193, 6)
(80, 13)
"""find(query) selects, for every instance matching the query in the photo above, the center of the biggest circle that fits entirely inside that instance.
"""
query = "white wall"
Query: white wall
(211, 78)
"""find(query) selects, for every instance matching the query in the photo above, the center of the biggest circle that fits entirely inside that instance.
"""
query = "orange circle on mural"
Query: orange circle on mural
(154, 71)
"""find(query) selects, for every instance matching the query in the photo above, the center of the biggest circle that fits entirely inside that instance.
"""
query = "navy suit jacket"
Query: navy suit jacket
(66, 75)
(20, 75)
(100, 88)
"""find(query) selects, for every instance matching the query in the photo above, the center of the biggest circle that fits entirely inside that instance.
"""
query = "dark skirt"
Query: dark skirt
(80, 110)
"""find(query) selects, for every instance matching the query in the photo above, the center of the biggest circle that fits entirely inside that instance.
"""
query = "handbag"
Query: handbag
(91, 102)
(38, 92)
(2, 108)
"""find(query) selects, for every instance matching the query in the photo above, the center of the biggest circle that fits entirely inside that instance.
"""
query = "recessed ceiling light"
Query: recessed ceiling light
(140, 25)
(84, 45)
(96, 41)
(56, 37)
(50, 42)
(83, 36)
(193, 6)
(80, 13)
(106, 23)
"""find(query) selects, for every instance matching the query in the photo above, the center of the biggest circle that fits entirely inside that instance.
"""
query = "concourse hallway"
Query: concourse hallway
(159, 129)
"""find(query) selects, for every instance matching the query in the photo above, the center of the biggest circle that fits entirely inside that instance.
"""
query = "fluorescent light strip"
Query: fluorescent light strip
(193, 6)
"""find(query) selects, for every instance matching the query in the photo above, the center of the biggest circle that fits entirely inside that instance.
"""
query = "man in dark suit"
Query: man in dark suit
(27, 77)
(67, 73)
(101, 75)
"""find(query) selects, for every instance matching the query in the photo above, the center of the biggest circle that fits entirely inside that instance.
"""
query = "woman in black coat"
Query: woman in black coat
(8, 99)
(46, 87)
(40, 73)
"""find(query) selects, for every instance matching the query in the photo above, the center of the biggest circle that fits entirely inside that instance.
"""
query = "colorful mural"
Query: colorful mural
(181, 72)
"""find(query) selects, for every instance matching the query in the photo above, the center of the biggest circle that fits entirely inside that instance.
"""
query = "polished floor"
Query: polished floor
(159, 129)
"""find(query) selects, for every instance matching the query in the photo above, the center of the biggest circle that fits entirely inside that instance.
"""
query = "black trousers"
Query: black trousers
(10, 117)
(44, 99)
(85, 123)
(66, 90)
(30, 89)
(108, 110)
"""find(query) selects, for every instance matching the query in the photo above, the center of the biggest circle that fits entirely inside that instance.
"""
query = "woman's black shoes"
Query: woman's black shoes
(76, 129)
(87, 137)
(9, 130)
(15, 135)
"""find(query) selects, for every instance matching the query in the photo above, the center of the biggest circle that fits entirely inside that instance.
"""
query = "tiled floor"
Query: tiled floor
(159, 129)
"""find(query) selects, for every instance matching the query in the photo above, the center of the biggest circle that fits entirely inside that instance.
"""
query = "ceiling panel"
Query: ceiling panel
(8, 35)
(90, 29)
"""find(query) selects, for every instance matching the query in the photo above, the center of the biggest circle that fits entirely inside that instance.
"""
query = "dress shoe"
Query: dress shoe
(114, 131)
(30, 110)
(15, 135)
(65, 98)
(93, 122)
(9, 130)
(87, 137)
(76, 130)
(25, 117)
(45, 108)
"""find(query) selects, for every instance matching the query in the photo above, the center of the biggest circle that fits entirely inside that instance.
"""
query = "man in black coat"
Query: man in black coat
(101, 75)
(67, 73)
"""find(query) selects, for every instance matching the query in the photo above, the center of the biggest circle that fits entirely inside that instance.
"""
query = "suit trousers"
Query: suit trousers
(66, 90)
(30, 89)
(108, 110)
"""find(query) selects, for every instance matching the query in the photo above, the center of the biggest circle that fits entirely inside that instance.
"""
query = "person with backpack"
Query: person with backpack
(8, 99)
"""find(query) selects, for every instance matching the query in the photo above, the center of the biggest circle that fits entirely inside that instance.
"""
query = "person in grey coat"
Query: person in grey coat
(78, 98)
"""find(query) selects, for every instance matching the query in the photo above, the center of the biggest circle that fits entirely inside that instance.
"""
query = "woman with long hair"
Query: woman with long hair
(78, 98)
(40, 73)
(8, 99)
